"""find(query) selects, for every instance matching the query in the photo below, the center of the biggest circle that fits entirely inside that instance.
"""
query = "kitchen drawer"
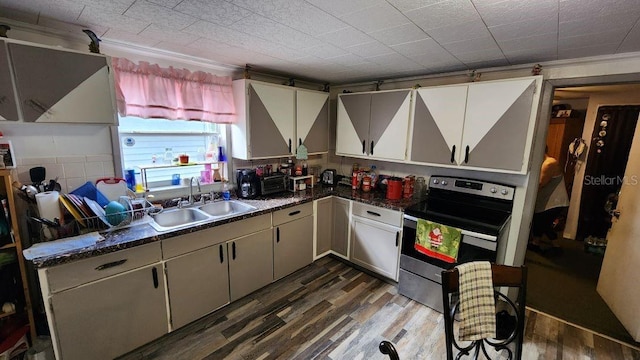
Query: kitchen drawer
(80, 272)
(390, 217)
(292, 213)
(183, 244)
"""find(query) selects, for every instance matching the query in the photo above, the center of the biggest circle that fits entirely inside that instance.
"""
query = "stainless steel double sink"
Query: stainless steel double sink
(171, 219)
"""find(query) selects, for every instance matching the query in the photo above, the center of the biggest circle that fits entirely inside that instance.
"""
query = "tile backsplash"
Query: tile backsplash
(71, 171)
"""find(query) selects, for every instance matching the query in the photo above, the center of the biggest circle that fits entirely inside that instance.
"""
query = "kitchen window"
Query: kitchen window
(144, 142)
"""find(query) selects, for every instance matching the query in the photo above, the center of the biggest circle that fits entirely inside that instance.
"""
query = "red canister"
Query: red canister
(394, 188)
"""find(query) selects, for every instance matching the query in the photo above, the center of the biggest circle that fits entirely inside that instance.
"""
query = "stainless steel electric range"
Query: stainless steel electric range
(481, 210)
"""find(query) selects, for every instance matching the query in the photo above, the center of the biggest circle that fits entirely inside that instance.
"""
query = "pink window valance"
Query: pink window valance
(150, 91)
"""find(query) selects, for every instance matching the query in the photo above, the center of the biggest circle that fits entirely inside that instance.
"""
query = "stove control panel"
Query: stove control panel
(470, 186)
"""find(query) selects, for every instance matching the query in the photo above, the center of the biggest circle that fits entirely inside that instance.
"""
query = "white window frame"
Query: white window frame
(191, 137)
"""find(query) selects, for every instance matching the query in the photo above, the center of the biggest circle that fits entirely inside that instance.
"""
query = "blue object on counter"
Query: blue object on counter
(90, 191)
(175, 179)
(130, 177)
(226, 195)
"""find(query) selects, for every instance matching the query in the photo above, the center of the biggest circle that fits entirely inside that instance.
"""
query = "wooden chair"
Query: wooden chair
(510, 330)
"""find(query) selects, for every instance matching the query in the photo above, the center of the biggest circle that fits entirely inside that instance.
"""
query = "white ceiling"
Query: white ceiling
(341, 41)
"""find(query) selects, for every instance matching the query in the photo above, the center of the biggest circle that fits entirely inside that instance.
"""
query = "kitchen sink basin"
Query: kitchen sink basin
(175, 218)
(172, 219)
(226, 208)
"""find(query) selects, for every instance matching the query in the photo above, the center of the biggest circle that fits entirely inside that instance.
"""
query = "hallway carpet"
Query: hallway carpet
(564, 285)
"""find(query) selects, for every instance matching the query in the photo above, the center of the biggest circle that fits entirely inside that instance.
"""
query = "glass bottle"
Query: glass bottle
(168, 155)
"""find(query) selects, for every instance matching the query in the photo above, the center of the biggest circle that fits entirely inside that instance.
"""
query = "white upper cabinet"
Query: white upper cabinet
(273, 120)
(312, 120)
(483, 126)
(439, 119)
(373, 125)
(64, 86)
(8, 106)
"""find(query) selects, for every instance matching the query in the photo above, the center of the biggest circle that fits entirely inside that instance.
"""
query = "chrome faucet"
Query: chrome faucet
(191, 188)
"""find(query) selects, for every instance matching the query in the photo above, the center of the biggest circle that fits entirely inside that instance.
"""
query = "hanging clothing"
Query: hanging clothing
(552, 195)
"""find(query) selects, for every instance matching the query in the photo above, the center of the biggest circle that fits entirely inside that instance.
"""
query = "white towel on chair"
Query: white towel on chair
(477, 302)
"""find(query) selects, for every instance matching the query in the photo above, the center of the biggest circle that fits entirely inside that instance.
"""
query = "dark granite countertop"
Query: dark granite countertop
(85, 246)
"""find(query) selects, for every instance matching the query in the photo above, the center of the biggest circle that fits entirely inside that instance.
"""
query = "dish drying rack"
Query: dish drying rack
(74, 225)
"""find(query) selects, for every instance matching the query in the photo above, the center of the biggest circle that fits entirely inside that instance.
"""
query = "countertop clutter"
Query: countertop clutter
(58, 252)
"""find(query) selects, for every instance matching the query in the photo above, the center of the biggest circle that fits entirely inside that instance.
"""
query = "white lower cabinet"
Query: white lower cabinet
(198, 284)
(292, 246)
(323, 226)
(340, 238)
(292, 239)
(375, 244)
(250, 263)
(109, 317)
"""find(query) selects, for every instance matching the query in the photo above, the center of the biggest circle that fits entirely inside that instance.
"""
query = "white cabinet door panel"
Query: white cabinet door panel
(340, 238)
(487, 103)
(109, 317)
(250, 263)
(437, 124)
(279, 102)
(498, 133)
(352, 128)
(198, 284)
(312, 120)
(292, 246)
(392, 140)
(375, 246)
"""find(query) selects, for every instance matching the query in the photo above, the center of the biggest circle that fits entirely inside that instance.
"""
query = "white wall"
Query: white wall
(595, 101)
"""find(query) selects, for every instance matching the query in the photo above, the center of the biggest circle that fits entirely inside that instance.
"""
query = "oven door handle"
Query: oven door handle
(464, 232)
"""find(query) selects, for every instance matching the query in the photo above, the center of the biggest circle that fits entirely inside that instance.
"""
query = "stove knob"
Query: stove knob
(436, 181)
(493, 190)
(504, 192)
(444, 182)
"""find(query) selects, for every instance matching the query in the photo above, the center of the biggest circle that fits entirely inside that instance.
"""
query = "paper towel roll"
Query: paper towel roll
(48, 206)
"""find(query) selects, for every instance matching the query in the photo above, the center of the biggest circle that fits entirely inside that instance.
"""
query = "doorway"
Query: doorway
(563, 283)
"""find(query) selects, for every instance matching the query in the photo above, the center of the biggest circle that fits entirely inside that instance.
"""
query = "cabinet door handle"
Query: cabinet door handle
(221, 254)
(453, 154)
(154, 273)
(372, 147)
(466, 154)
(277, 234)
(36, 105)
(299, 141)
(397, 238)
(373, 213)
(289, 145)
(111, 264)
(233, 250)
(294, 213)
(363, 146)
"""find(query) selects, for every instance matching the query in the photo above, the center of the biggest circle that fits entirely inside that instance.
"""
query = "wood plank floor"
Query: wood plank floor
(330, 310)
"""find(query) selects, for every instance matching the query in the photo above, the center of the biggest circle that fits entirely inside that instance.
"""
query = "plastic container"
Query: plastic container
(394, 188)
(168, 155)
(366, 183)
(374, 176)
(226, 194)
(130, 178)
(175, 179)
